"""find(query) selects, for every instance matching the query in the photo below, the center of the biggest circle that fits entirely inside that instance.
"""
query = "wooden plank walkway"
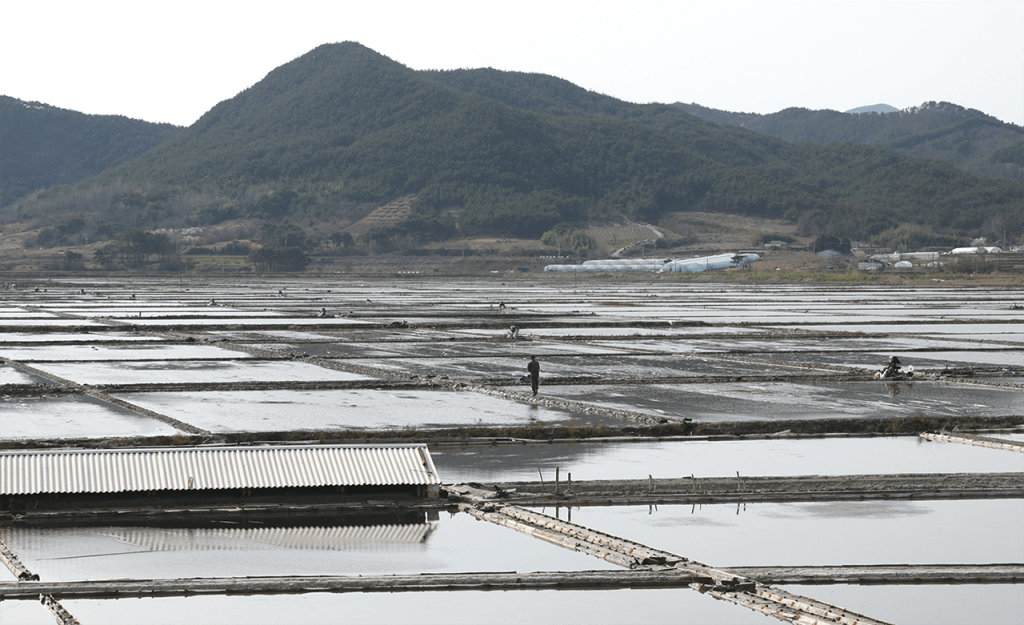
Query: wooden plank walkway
(543, 580)
(707, 490)
(570, 494)
(718, 583)
(886, 574)
(14, 564)
(1004, 444)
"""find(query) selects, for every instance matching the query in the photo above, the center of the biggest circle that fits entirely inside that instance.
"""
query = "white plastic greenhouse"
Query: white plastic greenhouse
(704, 263)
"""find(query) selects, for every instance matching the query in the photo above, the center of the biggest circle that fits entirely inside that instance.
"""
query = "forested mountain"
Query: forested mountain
(341, 129)
(971, 140)
(42, 146)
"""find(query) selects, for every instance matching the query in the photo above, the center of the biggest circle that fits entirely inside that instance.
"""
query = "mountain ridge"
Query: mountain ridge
(44, 145)
(966, 138)
(336, 132)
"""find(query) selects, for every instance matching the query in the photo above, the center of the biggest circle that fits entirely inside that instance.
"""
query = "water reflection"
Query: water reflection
(638, 460)
(442, 608)
(825, 533)
(337, 538)
(451, 543)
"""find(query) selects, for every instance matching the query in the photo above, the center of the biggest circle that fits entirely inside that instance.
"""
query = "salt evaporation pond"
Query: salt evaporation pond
(511, 365)
(801, 345)
(615, 332)
(441, 608)
(703, 458)
(134, 312)
(10, 375)
(119, 352)
(454, 543)
(726, 535)
(258, 320)
(259, 411)
(928, 604)
(995, 329)
(61, 417)
(8, 315)
(67, 337)
(823, 533)
(271, 334)
(1007, 358)
(438, 350)
(783, 400)
(52, 323)
(189, 372)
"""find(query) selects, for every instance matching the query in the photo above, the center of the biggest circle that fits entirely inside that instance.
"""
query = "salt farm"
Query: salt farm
(366, 449)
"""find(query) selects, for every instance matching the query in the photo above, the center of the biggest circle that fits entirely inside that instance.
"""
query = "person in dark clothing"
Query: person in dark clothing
(534, 368)
(892, 368)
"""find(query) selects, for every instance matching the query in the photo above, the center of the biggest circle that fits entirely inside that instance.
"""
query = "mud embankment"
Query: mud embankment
(540, 433)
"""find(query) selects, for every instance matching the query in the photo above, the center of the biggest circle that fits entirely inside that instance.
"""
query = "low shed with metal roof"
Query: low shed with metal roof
(177, 476)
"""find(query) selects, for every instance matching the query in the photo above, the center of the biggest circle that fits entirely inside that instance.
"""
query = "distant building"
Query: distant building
(976, 250)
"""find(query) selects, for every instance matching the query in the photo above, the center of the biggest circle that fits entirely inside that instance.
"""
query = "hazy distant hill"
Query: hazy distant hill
(967, 138)
(42, 146)
(342, 129)
(874, 108)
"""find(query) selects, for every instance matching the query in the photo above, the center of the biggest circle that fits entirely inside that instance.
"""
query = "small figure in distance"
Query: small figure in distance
(534, 368)
(513, 333)
(892, 370)
(501, 305)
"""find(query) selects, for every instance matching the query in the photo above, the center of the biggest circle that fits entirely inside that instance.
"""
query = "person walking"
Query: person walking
(534, 368)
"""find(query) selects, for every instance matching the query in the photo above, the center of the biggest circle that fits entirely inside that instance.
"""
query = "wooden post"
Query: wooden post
(543, 488)
(556, 479)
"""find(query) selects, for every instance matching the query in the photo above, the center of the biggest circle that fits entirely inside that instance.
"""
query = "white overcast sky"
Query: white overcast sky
(171, 61)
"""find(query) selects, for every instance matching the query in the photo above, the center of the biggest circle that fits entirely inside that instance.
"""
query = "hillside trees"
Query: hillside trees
(565, 237)
(267, 259)
(829, 242)
(341, 130)
(411, 232)
(967, 138)
(135, 247)
(42, 146)
(284, 235)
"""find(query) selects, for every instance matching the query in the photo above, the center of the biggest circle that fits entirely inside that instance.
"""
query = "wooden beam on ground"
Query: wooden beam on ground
(542, 580)
(14, 565)
(650, 491)
(974, 439)
(437, 582)
(885, 574)
(708, 490)
(720, 584)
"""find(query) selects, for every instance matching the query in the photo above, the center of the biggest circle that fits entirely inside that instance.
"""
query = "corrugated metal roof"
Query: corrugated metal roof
(206, 468)
(342, 537)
